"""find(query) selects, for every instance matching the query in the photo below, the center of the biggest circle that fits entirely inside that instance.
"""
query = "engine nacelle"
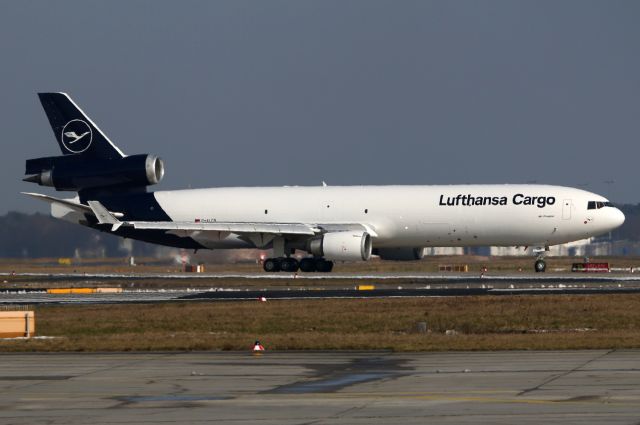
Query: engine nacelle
(400, 254)
(342, 246)
(73, 172)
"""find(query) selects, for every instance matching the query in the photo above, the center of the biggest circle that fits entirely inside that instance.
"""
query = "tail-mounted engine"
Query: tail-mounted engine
(77, 172)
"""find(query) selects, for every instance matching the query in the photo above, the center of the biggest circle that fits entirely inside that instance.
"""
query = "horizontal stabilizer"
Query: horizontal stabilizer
(77, 206)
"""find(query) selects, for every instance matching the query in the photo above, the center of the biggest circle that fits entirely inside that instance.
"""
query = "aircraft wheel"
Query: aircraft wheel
(271, 265)
(324, 266)
(289, 265)
(329, 266)
(540, 266)
(308, 265)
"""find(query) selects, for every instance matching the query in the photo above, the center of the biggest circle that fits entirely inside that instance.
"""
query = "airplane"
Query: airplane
(329, 223)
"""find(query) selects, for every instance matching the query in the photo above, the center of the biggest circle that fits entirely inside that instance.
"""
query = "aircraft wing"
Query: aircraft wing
(251, 230)
(105, 216)
(231, 227)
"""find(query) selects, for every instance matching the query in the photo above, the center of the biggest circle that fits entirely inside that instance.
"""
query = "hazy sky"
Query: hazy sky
(350, 92)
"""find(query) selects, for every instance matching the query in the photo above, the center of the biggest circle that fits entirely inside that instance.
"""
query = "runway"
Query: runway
(151, 288)
(568, 387)
(239, 295)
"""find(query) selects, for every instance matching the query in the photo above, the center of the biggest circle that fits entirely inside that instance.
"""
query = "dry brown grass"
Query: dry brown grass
(428, 264)
(481, 323)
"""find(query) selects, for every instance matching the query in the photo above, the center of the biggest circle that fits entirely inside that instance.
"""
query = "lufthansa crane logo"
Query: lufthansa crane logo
(76, 136)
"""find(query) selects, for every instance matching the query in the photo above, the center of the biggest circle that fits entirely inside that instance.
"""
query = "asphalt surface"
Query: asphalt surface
(262, 285)
(11, 298)
(567, 387)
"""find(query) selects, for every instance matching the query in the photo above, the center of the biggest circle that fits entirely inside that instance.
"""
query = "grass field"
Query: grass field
(479, 323)
(427, 265)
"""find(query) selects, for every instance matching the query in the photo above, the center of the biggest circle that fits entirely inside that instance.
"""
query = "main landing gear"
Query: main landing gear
(291, 265)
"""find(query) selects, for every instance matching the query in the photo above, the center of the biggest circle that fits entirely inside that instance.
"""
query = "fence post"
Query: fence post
(26, 317)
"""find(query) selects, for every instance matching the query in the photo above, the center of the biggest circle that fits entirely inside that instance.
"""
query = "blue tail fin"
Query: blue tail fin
(74, 130)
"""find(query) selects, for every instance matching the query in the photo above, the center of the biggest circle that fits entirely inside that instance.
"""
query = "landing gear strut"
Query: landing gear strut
(291, 265)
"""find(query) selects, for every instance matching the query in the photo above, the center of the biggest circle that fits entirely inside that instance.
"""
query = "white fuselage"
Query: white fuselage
(406, 216)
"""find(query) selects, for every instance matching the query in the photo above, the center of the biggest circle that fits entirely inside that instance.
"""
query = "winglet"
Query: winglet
(104, 216)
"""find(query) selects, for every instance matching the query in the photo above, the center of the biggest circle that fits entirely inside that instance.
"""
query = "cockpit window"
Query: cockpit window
(596, 205)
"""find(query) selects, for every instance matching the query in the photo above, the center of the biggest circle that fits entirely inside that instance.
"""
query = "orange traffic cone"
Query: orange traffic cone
(257, 348)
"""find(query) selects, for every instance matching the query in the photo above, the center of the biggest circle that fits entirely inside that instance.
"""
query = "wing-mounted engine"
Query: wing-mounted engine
(77, 172)
(342, 246)
(400, 254)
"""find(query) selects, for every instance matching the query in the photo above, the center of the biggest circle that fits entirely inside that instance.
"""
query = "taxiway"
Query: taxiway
(144, 288)
(568, 387)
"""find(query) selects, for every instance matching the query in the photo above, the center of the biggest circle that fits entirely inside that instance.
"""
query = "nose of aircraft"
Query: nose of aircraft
(616, 218)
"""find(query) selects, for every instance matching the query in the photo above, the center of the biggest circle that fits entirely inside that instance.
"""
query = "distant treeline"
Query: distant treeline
(37, 235)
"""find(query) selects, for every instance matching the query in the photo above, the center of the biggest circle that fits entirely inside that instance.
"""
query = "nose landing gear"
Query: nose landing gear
(540, 266)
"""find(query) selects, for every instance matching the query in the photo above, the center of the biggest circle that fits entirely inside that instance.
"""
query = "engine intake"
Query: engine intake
(342, 246)
(71, 172)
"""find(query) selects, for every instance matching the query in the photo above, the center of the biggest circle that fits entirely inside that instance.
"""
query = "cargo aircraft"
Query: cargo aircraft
(329, 223)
